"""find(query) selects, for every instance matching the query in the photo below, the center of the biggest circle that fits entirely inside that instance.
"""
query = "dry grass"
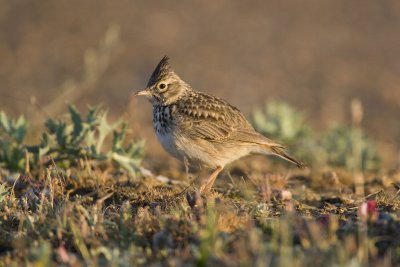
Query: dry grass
(91, 218)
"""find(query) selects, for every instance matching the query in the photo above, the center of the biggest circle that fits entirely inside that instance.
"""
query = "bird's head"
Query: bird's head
(164, 86)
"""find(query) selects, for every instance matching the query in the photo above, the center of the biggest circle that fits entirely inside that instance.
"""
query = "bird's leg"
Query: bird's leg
(206, 187)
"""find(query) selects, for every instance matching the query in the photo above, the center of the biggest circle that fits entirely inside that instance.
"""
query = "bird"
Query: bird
(199, 128)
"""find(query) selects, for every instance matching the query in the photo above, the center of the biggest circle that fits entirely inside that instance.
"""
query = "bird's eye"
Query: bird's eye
(162, 86)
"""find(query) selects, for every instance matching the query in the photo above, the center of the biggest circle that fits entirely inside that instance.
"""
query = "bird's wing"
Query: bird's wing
(213, 119)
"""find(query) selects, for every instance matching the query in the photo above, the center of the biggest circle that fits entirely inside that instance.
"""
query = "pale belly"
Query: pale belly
(169, 143)
(200, 152)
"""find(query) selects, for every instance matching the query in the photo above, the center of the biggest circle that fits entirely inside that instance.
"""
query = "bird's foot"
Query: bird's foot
(205, 189)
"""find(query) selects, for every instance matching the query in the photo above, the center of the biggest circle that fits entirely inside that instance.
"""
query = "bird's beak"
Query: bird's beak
(144, 92)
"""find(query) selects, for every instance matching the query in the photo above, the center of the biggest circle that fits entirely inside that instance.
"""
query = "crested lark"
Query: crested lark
(201, 128)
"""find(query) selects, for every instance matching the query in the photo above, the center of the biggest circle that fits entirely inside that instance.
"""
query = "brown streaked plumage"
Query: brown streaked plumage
(202, 128)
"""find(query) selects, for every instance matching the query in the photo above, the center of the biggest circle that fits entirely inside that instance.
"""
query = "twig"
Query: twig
(373, 194)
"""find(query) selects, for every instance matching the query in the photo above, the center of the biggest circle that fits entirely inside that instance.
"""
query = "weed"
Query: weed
(67, 142)
(342, 146)
(340, 143)
(12, 148)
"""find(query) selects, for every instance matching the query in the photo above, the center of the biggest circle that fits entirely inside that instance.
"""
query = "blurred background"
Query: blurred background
(317, 56)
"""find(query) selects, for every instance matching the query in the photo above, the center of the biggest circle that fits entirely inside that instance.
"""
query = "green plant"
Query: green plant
(12, 149)
(69, 141)
(343, 146)
(4, 192)
(279, 121)
(83, 137)
(128, 156)
(349, 147)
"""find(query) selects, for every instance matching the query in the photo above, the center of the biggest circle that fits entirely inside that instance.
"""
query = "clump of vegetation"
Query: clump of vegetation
(66, 142)
(12, 148)
(342, 146)
(350, 148)
(151, 223)
(281, 122)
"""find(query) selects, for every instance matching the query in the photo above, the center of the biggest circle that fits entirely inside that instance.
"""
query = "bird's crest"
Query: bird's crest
(161, 71)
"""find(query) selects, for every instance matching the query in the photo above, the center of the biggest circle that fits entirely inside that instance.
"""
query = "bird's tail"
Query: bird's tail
(279, 151)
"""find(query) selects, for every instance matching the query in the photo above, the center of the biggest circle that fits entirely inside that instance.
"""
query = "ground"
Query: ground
(97, 216)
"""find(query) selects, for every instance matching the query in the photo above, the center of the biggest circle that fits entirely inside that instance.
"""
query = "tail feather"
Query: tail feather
(280, 152)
